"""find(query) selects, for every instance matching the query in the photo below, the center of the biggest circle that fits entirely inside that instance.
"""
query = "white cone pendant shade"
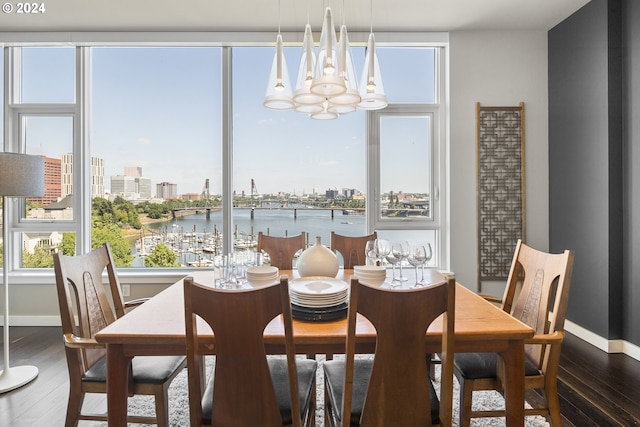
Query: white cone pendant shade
(278, 96)
(371, 88)
(324, 114)
(305, 101)
(348, 101)
(326, 81)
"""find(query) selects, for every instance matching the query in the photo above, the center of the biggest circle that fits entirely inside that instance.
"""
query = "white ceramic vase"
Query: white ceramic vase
(318, 260)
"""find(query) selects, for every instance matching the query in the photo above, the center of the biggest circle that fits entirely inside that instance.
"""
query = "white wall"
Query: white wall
(496, 68)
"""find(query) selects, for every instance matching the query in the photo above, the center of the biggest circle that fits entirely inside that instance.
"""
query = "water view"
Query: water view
(197, 239)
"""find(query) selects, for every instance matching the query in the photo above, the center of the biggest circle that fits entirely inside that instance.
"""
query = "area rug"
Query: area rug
(179, 403)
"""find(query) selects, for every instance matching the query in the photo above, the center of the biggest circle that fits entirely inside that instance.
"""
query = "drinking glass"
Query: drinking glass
(241, 258)
(417, 256)
(383, 248)
(391, 258)
(400, 250)
(228, 266)
(371, 252)
(428, 256)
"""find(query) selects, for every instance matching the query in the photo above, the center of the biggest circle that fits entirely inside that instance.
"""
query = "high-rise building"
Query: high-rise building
(97, 176)
(167, 190)
(67, 174)
(52, 177)
(134, 171)
(123, 186)
(143, 187)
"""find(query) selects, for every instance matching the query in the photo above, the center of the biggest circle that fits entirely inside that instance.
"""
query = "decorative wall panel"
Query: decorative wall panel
(500, 192)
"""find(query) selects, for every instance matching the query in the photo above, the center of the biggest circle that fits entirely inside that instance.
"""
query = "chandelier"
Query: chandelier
(326, 84)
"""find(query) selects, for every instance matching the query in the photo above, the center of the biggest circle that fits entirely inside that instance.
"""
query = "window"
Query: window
(293, 174)
(156, 126)
(48, 74)
(142, 150)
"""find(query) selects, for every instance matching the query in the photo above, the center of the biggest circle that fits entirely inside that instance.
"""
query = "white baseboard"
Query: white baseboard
(609, 346)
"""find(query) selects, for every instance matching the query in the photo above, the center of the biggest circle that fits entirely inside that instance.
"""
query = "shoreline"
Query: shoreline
(132, 233)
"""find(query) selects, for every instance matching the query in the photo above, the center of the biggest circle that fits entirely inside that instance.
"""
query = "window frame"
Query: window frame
(80, 111)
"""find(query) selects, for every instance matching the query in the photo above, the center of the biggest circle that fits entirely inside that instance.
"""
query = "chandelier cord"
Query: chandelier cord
(371, 14)
(279, 17)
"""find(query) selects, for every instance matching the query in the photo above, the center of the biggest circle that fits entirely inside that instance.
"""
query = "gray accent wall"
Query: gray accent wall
(631, 165)
(592, 205)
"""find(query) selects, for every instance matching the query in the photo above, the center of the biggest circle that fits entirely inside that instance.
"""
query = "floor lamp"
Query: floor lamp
(21, 175)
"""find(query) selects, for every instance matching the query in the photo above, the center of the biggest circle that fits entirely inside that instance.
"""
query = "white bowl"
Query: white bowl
(375, 281)
(262, 271)
(369, 269)
(370, 274)
(257, 283)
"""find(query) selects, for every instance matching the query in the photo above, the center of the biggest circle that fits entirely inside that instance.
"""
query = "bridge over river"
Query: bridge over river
(178, 212)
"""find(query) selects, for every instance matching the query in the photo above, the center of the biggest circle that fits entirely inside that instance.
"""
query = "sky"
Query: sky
(159, 109)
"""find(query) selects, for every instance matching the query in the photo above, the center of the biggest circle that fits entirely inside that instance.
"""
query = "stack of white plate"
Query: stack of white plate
(370, 274)
(262, 275)
(318, 298)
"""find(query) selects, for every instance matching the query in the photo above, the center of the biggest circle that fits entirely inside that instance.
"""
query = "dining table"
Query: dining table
(157, 327)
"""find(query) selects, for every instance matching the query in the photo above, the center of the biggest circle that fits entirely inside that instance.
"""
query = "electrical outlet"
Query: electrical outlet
(126, 290)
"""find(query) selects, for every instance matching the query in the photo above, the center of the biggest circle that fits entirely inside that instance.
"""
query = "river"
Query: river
(275, 222)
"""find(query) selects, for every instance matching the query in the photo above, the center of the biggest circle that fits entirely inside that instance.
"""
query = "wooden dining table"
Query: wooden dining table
(157, 327)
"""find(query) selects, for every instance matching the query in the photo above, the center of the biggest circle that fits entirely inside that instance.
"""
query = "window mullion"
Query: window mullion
(82, 150)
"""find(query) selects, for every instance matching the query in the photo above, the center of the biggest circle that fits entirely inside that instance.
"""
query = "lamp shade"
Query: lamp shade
(348, 101)
(278, 96)
(21, 175)
(326, 81)
(371, 88)
(307, 102)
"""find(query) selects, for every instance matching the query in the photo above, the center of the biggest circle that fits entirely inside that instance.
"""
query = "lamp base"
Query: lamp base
(16, 377)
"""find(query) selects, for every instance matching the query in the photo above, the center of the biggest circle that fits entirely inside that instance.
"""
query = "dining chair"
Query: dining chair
(247, 387)
(541, 281)
(281, 250)
(79, 282)
(393, 388)
(351, 248)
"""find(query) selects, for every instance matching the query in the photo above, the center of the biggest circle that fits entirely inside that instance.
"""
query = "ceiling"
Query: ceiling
(262, 15)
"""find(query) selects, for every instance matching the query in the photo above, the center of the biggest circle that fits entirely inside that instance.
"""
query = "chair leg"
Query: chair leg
(328, 410)
(162, 406)
(551, 393)
(74, 407)
(466, 400)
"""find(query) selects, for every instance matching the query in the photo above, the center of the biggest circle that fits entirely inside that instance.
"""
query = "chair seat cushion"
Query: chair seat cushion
(334, 380)
(473, 366)
(279, 376)
(146, 369)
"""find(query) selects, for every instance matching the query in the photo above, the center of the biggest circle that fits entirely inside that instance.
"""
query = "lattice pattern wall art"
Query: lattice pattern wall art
(500, 192)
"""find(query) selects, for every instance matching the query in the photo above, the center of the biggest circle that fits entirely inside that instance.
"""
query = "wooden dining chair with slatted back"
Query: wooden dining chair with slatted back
(393, 388)
(351, 248)
(537, 292)
(79, 282)
(247, 387)
(281, 250)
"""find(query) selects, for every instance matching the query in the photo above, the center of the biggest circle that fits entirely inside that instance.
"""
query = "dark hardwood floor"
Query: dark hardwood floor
(596, 388)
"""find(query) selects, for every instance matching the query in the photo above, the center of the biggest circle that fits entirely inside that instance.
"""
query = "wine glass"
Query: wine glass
(371, 252)
(383, 247)
(391, 259)
(417, 256)
(428, 256)
(400, 250)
